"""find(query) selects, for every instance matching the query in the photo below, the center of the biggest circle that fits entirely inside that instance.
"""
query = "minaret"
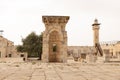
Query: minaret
(96, 31)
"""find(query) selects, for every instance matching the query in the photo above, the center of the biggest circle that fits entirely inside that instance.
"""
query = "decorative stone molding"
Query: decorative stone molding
(55, 19)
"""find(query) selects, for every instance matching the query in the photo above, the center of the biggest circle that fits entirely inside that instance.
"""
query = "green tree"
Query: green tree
(20, 48)
(32, 44)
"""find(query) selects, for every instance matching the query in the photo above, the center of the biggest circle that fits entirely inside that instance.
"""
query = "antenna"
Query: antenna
(1, 32)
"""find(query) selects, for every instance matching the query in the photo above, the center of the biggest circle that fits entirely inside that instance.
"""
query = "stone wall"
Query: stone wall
(7, 48)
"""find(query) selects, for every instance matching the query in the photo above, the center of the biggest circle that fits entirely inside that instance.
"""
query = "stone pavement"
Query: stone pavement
(59, 71)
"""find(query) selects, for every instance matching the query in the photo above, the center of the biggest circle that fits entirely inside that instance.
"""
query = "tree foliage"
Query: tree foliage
(20, 48)
(32, 44)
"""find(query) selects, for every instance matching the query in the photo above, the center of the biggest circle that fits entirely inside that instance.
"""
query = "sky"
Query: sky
(18, 18)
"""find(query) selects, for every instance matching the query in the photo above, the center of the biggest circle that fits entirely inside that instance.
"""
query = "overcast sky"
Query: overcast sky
(18, 18)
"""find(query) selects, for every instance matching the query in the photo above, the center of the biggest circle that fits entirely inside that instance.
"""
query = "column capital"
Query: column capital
(55, 19)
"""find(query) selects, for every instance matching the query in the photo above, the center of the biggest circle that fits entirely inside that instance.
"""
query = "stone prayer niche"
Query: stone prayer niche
(55, 39)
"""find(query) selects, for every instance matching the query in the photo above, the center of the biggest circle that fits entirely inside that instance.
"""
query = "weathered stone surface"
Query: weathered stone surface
(7, 48)
(59, 71)
(55, 39)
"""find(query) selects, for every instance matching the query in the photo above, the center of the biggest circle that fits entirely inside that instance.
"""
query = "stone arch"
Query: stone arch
(52, 30)
(54, 46)
(54, 39)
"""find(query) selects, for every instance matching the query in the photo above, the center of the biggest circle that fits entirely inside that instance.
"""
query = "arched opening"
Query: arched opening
(54, 46)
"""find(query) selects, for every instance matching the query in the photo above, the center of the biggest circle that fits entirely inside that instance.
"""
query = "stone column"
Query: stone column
(65, 45)
(25, 56)
(45, 51)
(94, 58)
(89, 58)
(107, 57)
(118, 55)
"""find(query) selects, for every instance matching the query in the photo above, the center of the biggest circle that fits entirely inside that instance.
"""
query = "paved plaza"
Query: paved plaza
(59, 71)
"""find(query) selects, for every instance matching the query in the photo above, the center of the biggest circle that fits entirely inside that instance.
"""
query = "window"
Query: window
(54, 48)
(10, 55)
(22, 55)
(83, 56)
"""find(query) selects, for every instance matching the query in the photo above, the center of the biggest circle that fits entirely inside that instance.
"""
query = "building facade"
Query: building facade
(7, 48)
(81, 52)
(112, 47)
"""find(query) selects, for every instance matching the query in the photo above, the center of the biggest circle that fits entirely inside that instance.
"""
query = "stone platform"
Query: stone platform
(59, 71)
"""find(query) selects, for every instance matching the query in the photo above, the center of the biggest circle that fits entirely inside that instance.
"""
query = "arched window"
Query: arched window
(54, 47)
